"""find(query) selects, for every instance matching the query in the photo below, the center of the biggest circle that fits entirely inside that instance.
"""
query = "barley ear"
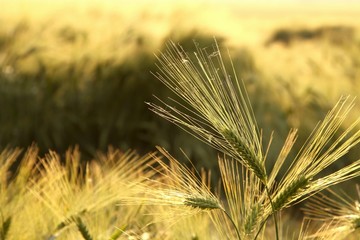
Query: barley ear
(290, 193)
(252, 219)
(247, 156)
(69, 220)
(5, 226)
(83, 229)
(202, 203)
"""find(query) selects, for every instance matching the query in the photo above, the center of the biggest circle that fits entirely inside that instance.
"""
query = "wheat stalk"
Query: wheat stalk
(223, 115)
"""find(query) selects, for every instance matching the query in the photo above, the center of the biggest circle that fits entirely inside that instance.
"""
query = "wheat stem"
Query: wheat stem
(233, 223)
(258, 232)
(274, 212)
(282, 199)
(274, 216)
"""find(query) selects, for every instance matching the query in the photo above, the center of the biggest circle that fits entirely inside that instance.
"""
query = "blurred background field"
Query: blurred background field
(79, 72)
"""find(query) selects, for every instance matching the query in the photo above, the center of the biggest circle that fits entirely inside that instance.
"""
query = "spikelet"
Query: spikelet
(252, 221)
(175, 186)
(83, 229)
(202, 203)
(290, 192)
(248, 157)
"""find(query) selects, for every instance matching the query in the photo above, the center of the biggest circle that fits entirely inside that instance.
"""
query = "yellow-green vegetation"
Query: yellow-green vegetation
(73, 68)
(338, 215)
(53, 198)
(76, 75)
(214, 100)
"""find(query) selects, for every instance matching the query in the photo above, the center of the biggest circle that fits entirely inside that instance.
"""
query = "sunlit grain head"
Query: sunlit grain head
(244, 195)
(177, 185)
(216, 107)
(326, 145)
(337, 213)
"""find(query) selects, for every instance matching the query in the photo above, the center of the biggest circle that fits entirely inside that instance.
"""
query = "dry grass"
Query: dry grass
(57, 198)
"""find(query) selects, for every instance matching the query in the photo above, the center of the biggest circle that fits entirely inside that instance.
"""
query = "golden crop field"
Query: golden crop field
(93, 144)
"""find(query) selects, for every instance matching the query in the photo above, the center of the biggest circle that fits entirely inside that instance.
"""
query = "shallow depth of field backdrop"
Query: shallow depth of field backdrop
(78, 73)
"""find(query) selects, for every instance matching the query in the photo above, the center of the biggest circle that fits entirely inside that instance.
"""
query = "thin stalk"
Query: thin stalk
(274, 213)
(233, 223)
(274, 216)
(258, 232)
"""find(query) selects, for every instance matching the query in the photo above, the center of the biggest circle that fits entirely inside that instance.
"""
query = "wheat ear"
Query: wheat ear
(83, 229)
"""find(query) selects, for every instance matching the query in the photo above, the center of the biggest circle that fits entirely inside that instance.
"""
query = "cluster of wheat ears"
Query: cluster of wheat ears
(215, 108)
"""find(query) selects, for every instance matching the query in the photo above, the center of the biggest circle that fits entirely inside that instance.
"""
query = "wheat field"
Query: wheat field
(179, 120)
